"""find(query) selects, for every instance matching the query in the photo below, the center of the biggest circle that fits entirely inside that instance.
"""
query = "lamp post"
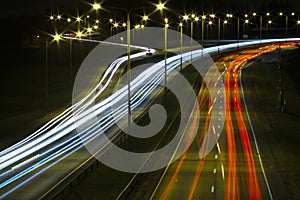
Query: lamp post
(208, 29)
(224, 26)
(286, 22)
(286, 25)
(192, 18)
(298, 23)
(219, 33)
(70, 60)
(57, 38)
(212, 18)
(128, 12)
(165, 53)
(192, 27)
(254, 14)
(181, 25)
(238, 31)
(46, 71)
(268, 24)
(260, 27)
(202, 29)
(192, 34)
(246, 22)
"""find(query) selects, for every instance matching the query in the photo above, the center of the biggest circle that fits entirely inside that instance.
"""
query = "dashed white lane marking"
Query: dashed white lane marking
(212, 189)
(223, 173)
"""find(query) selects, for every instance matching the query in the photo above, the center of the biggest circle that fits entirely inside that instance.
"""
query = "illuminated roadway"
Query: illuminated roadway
(234, 169)
(49, 153)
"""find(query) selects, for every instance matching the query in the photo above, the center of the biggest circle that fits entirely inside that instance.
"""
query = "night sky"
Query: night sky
(25, 18)
(19, 8)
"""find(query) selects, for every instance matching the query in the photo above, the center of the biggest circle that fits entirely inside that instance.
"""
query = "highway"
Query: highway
(56, 149)
(234, 169)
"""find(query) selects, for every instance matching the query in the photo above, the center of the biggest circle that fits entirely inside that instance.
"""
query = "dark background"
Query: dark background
(22, 20)
(23, 75)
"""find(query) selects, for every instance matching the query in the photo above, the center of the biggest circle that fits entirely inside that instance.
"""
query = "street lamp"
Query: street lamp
(145, 17)
(298, 23)
(208, 28)
(111, 21)
(180, 25)
(165, 53)
(238, 29)
(160, 6)
(79, 34)
(192, 33)
(96, 6)
(96, 27)
(224, 24)
(286, 22)
(268, 24)
(260, 27)
(78, 19)
(202, 29)
(89, 29)
(193, 18)
(116, 24)
(219, 33)
(286, 25)
(46, 71)
(56, 38)
(185, 17)
(244, 27)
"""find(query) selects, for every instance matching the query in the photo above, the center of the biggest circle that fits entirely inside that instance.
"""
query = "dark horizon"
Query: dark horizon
(24, 20)
(15, 9)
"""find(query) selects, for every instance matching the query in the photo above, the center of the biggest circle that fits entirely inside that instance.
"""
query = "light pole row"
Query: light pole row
(248, 20)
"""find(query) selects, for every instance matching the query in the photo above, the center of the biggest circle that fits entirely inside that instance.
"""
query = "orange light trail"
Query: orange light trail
(191, 130)
(234, 62)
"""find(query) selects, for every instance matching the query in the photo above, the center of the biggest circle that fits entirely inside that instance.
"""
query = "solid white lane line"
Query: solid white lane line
(255, 142)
